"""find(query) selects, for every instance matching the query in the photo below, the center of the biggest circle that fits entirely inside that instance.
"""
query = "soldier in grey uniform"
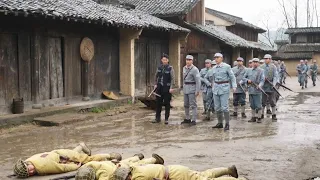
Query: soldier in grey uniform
(271, 74)
(239, 96)
(210, 101)
(235, 63)
(307, 70)
(314, 72)
(205, 86)
(222, 76)
(191, 89)
(302, 69)
(250, 64)
(253, 77)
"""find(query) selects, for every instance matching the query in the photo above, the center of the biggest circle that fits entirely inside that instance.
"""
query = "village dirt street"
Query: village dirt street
(287, 149)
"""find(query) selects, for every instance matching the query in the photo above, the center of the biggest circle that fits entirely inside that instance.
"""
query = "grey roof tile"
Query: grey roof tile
(163, 7)
(303, 30)
(315, 47)
(88, 10)
(228, 37)
(295, 56)
(234, 19)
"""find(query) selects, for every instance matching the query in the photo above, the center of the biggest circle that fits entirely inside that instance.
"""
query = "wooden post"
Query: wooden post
(35, 66)
(85, 81)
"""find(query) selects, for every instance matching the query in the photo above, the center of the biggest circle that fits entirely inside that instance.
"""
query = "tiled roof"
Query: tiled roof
(234, 19)
(163, 8)
(296, 56)
(281, 42)
(228, 37)
(315, 47)
(303, 30)
(87, 10)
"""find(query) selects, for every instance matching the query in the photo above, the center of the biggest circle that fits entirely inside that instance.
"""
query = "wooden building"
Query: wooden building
(206, 37)
(303, 43)
(40, 57)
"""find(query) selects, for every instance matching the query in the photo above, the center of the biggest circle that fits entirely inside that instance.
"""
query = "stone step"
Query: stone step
(59, 119)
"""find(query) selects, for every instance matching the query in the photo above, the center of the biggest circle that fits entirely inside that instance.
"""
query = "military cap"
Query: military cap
(214, 62)
(306, 60)
(255, 60)
(207, 61)
(240, 59)
(235, 63)
(314, 60)
(301, 60)
(21, 169)
(85, 173)
(218, 55)
(261, 61)
(121, 173)
(189, 57)
(250, 61)
(267, 56)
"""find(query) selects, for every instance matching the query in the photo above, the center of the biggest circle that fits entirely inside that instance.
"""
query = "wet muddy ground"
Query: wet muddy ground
(287, 149)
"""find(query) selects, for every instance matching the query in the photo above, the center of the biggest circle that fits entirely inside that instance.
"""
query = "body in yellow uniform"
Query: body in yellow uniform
(57, 161)
(173, 172)
(104, 170)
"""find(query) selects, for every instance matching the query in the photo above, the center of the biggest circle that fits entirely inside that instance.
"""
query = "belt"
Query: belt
(166, 173)
(189, 83)
(222, 82)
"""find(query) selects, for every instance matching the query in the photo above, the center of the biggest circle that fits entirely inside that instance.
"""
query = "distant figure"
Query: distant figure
(283, 74)
(301, 69)
(250, 64)
(314, 72)
(235, 63)
(307, 71)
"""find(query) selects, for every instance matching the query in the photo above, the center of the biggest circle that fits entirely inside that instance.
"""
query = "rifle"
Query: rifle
(285, 87)
(242, 88)
(274, 88)
(287, 73)
(64, 177)
(257, 86)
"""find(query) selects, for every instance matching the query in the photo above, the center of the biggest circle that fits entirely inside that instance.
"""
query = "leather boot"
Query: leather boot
(235, 112)
(83, 148)
(269, 111)
(140, 155)
(253, 119)
(186, 121)
(204, 112)
(233, 171)
(166, 121)
(218, 126)
(243, 110)
(274, 118)
(159, 159)
(220, 119)
(226, 127)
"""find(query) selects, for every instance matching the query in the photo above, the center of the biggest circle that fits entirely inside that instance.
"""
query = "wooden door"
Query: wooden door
(9, 76)
(51, 82)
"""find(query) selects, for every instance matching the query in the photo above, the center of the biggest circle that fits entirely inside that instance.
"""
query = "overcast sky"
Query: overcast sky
(259, 11)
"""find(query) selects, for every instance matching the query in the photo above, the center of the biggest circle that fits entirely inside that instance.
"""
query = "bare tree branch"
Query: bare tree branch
(285, 13)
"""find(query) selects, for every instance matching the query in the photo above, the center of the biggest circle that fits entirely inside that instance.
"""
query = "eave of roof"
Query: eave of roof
(234, 19)
(86, 11)
(303, 30)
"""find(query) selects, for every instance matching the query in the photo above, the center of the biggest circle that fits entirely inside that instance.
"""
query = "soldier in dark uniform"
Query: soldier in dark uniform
(164, 87)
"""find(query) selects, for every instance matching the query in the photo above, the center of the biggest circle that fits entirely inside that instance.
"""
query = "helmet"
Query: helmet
(85, 173)
(121, 173)
(115, 156)
(20, 169)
